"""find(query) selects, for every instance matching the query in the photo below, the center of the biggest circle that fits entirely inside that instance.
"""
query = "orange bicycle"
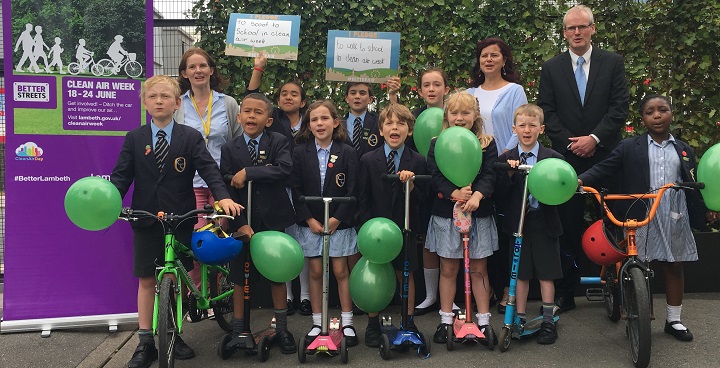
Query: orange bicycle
(625, 278)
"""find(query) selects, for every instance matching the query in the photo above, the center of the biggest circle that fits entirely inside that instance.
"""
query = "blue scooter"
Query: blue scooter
(512, 325)
(394, 338)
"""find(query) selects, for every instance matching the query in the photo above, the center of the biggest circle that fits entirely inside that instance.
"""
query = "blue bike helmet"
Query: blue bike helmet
(213, 250)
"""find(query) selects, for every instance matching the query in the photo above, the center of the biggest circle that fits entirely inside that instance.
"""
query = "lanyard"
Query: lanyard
(205, 122)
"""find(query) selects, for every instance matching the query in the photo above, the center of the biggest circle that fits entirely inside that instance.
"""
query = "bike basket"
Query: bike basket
(599, 247)
(210, 249)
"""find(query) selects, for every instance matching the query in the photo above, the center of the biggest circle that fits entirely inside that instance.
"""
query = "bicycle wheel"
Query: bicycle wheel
(74, 68)
(133, 69)
(107, 67)
(611, 295)
(167, 323)
(638, 316)
(223, 308)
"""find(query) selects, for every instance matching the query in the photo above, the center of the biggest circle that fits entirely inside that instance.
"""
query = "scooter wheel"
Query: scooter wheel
(450, 338)
(384, 347)
(264, 349)
(222, 350)
(302, 349)
(505, 339)
(343, 351)
(490, 337)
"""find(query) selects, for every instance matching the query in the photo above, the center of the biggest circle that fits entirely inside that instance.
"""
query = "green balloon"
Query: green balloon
(552, 181)
(708, 172)
(380, 240)
(276, 255)
(458, 155)
(93, 203)
(372, 285)
(427, 125)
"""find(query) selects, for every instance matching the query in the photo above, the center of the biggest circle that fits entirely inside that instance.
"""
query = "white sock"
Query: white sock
(346, 318)
(673, 314)
(317, 321)
(432, 278)
(455, 306)
(446, 317)
(305, 281)
(289, 293)
(483, 318)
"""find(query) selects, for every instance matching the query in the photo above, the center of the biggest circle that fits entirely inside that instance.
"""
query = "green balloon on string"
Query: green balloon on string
(708, 172)
(427, 125)
(372, 285)
(93, 203)
(276, 255)
(458, 155)
(552, 181)
(380, 240)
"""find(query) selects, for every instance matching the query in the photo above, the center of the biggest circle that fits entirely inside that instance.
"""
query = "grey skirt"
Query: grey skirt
(342, 243)
(443, 239)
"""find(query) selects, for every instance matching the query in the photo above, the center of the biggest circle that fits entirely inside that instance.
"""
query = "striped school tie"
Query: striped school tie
(161, 149)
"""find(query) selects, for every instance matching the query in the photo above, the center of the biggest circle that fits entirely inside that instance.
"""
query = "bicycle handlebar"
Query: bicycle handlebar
(634, 223)
(392, 177)
(504, 166)
(129, 214)
(329, 199)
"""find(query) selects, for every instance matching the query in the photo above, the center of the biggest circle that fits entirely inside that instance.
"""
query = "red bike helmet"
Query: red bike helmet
(599, 248)
(210, 249)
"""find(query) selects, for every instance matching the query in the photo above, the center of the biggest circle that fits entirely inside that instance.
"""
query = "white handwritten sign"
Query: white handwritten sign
(276, 36)
(362, 56)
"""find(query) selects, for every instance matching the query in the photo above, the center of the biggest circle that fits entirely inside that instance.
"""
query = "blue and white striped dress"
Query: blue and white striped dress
(668, 237)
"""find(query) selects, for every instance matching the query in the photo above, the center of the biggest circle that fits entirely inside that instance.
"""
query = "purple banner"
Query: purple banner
(69, 104)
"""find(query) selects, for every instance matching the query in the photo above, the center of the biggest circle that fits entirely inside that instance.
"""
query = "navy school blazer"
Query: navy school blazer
(340, 181)
(270, 202)
(171, 191)
(377, 197)
(371, 138)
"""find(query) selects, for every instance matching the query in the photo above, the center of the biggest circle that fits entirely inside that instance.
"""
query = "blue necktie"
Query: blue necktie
(581, 79)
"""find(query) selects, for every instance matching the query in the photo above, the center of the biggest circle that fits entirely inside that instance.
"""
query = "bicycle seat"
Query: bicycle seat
(211, 249)
(599, 247)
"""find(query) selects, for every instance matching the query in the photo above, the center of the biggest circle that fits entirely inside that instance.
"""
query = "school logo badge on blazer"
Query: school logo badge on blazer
(180, 164)
(372, 140)
(340, 180)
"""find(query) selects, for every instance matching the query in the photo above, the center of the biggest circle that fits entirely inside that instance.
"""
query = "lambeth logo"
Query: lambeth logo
(29, 151)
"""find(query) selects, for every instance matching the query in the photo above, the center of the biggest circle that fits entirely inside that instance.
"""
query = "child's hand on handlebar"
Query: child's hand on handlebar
(405, 175)
(229, 207)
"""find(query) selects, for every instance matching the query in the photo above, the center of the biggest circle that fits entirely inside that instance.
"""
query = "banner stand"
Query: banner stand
(46, 325)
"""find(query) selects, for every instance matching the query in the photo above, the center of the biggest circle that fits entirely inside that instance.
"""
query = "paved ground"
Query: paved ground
(587, 339)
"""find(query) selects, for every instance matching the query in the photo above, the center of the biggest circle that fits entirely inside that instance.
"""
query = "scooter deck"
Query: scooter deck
(532, 326)
(401, 338)
(466, 331)
(328, 344)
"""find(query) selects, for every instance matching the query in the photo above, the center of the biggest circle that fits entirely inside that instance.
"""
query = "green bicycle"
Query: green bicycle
(207, 248)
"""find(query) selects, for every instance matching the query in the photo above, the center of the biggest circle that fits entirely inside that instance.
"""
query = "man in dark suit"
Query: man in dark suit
(584, 95)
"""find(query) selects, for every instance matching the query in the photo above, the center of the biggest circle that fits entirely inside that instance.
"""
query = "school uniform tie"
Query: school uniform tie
(391, 166)
(357, 132)
(581, 78)
(524, 156)
(532, 202)
(161, 149)
(252, 147)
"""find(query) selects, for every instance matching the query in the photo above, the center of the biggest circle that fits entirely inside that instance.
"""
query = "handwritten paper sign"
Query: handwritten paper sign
(274, 35)
(360, 56)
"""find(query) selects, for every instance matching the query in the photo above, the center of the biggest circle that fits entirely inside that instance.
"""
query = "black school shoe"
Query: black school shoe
(305, 308)
(285, 340)
(143, 356)
(350, 340)
(430, 308)
(290, 307)
(682, 335)
(181, 351)
(547, 334)
(441, 334)
(372, 336)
